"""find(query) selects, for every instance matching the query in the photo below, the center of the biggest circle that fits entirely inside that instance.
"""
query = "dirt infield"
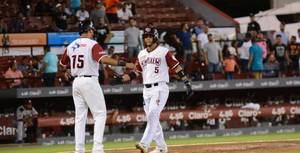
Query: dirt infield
(253, 147)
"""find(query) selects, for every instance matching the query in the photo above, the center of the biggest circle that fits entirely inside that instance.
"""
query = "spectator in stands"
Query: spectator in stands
(243, 52)
(253, 26)
(72, 23)
(130, 4)
(199, 27)
(66, 9)
(261, 41)
(17, 24)
(230, 65)
(25, 7)
(111, 51)
(193, 67)
(23, 65)
(239, 36)
(202, 38)
(98, 15)
(50, 62)
(173, 41)
(5, 43)
(43, 8)
(111, 10)
(280, 51)
(60, 18)
(132, 39)
(185, 36)
(116, 70)
(284, 35)
(271, 67)
(104, 34)
(213, 55)
(124, 14)
(26, 122)
(75, 5)
(293, 54)
(35, 65)
(3, 26)
(14, 76)
(82, 14)
(255, 64)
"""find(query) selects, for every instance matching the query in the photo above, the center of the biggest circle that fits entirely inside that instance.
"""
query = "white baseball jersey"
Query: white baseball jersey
(83, 56)
(155, 65)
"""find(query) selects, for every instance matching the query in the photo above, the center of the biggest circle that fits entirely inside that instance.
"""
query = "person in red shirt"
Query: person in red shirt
(111, 10)
(14, 76)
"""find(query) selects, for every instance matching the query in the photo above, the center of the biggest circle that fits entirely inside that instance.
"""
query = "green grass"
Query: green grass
(115, 145)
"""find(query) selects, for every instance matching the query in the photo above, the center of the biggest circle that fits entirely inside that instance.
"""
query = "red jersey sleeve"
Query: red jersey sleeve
(97, 52)
(172, 62)
(65, 59)
(138, 66)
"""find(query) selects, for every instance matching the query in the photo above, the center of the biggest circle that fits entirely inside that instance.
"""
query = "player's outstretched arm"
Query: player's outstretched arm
(128, 77)
(187, 83)
(111, 61)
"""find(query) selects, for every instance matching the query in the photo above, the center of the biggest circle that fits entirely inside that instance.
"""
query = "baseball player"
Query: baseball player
(26, 114)
(154, 63)
(83, 56)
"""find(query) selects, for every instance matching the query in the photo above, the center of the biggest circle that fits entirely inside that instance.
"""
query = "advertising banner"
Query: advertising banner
(25, 39)
(8, 129)
(62, 38)
(175, 115)
(174, 87)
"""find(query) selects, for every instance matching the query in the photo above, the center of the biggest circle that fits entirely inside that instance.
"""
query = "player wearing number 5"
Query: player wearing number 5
(83, 56)
(154, 63)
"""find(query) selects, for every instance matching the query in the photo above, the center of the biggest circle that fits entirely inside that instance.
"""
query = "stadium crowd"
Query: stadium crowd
(203, 57)
(255, 54)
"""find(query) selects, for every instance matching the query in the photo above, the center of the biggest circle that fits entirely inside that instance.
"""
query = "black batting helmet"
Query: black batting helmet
(149, 31)
(86, 26)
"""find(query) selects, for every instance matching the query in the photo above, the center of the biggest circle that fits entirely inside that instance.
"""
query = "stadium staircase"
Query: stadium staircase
(162, 13)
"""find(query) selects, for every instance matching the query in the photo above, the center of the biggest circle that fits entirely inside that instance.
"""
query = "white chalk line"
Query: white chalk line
(199, 144)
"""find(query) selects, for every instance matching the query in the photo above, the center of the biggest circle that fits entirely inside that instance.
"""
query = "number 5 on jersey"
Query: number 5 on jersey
(156, 70)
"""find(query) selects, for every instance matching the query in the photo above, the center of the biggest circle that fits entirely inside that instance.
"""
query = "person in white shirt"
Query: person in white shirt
(124, 14)
(243, 52)
(202, 38)
(82, 14)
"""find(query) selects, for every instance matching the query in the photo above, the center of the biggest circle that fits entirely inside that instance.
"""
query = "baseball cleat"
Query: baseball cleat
(157, 150)
(141, 147)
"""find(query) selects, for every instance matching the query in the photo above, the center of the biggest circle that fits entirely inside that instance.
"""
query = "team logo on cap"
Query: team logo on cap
(148, 29)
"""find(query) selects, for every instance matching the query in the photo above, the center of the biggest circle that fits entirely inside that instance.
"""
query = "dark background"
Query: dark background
(239, 8)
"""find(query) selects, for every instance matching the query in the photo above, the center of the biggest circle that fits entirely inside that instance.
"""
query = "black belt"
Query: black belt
(86, 76)
(150, 85)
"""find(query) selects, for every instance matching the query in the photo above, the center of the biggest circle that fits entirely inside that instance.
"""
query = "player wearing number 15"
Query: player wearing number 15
(154, 63)
(83, 56)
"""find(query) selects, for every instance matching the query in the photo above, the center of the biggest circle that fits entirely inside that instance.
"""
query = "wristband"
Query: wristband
(181, 74)
(121, 63)
(187, 82)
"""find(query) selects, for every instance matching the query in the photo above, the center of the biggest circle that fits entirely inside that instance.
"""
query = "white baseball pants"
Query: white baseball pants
(87, 93)
(155, 98)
